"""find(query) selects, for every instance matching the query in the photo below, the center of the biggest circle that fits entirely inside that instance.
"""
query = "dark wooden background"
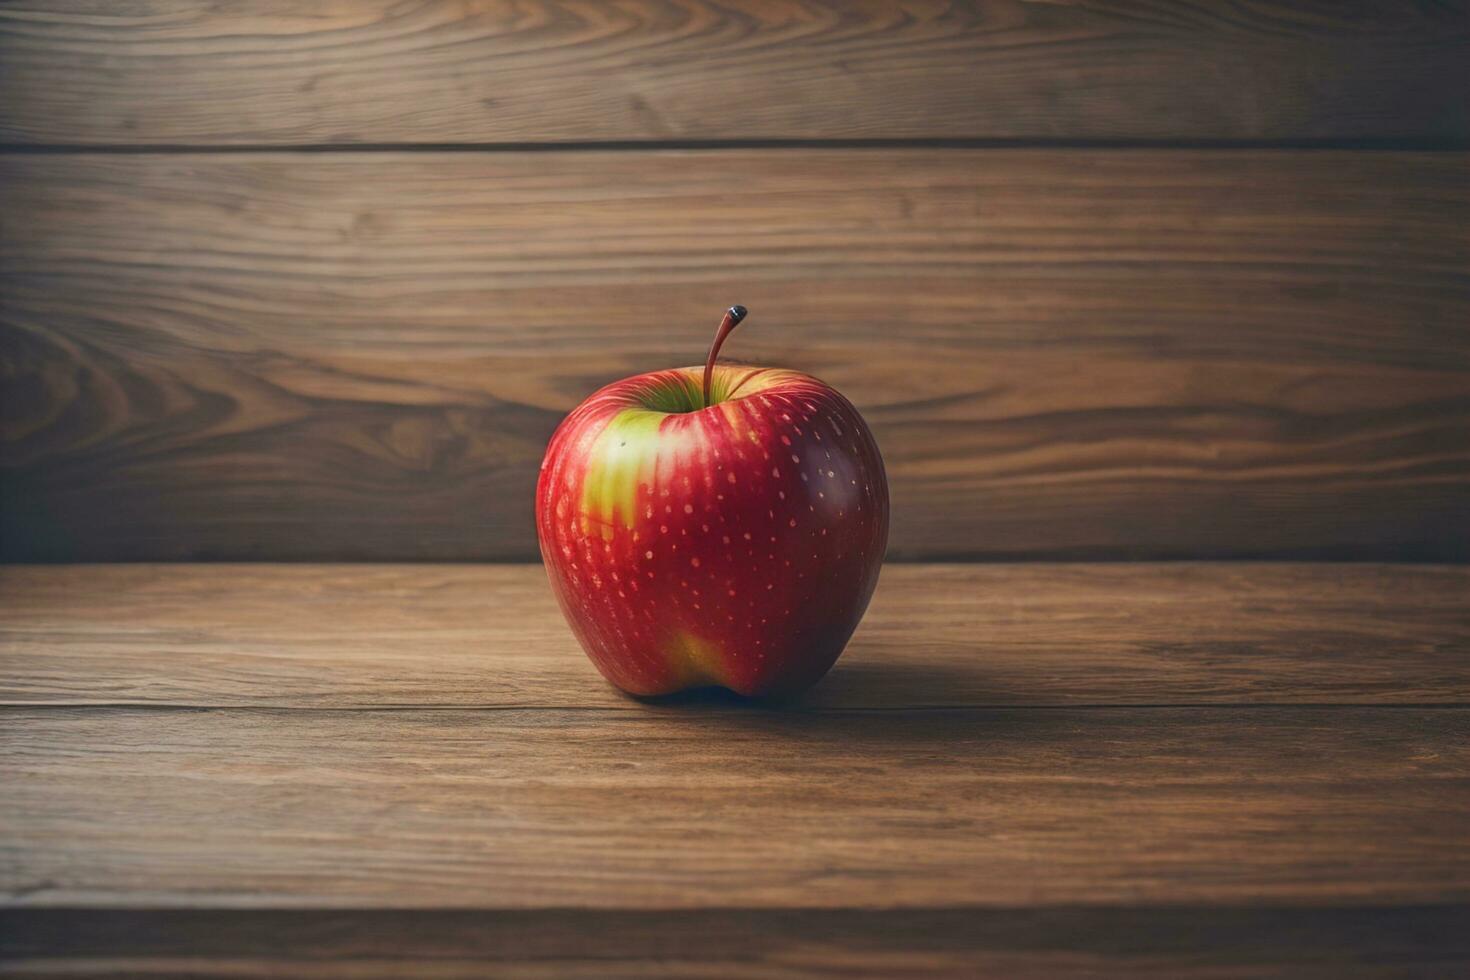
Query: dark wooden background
(1110, 280)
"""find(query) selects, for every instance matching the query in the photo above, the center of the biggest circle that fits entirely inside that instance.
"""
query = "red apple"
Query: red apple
(724, 530)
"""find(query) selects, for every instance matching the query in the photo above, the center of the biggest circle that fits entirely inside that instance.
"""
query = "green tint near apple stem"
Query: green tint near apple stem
(622, 458)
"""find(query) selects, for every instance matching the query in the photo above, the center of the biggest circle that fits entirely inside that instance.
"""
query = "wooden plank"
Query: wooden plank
(1063, 354)
(781, 944)
(678, 807)
(936, 636)
(275, 72)
(552, 829)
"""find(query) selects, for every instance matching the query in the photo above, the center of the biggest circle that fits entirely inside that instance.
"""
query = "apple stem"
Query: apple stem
(731, 320)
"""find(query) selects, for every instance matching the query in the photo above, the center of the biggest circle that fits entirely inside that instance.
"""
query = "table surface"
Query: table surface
(332, 770)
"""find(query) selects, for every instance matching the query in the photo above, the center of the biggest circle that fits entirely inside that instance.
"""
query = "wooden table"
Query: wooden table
(329, 770)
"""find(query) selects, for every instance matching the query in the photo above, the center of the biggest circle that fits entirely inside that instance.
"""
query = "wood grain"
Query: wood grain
(1063, 354)
(936, 636)
(277, 72)
(368, 771)
(671, 808)
(782, 944)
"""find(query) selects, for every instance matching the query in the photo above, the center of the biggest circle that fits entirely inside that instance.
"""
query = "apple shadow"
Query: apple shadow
(860, 682)
(696, 698)
(859, 685)
(885, 701)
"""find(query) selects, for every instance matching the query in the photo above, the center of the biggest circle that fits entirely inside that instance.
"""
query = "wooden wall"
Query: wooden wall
(1110, 280)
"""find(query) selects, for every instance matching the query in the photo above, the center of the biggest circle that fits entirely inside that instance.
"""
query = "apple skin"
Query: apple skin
(734, 545)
